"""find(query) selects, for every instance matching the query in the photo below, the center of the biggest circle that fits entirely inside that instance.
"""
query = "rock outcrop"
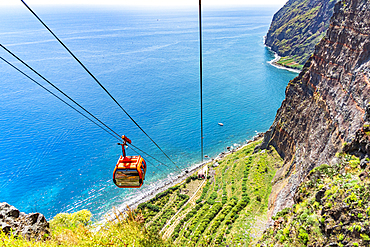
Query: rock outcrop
(33, 225)
(298, 26)
(326, 106)
(331, 208)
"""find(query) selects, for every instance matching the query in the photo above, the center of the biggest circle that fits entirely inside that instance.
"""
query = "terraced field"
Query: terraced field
(227, 208)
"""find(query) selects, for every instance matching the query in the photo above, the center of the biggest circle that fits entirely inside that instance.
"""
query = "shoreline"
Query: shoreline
(169, 182)
(274, 63)
(174, 179)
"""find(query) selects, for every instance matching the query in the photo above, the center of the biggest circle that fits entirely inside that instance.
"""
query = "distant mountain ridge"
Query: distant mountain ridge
(296, 28)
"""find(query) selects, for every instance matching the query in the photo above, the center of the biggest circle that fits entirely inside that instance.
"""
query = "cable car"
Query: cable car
(130, 170)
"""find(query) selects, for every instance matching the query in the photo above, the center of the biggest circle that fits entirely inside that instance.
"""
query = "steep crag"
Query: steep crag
(297, 27)
(12, 221)
(325, 106)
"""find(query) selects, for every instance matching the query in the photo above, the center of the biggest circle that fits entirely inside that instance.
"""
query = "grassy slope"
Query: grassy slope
(76, 230)
(332, 208)
(290, 62)
(230, 207)
(297, 28)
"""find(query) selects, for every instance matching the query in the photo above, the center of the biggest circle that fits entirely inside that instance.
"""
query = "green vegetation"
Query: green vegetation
(297, 28)
(229, 203)
(221, 210)
(332, 206)
(290, 62)
(76, 230)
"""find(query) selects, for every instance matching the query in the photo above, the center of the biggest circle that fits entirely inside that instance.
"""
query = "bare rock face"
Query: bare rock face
(326, 106)
(33, 225)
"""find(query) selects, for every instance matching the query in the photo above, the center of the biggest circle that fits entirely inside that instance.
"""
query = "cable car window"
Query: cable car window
(127, 177)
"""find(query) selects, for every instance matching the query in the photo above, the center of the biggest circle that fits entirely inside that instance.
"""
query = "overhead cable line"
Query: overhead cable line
(97, 81)
(140, 150)
(10, 64)
(115, 135)
(60, 91)
(132, 148)
(201, 79)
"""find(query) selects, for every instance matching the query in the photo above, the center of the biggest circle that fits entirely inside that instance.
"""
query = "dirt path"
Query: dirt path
(169, 231)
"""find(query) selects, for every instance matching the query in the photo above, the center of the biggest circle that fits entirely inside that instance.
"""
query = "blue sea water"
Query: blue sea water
(54, 160)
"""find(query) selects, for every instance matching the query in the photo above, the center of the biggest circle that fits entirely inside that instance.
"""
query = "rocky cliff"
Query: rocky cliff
(325, 106)
(331, 208)
(29, 226)
(297, 28)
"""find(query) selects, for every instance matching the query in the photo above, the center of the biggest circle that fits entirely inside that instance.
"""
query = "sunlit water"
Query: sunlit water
(54, 160)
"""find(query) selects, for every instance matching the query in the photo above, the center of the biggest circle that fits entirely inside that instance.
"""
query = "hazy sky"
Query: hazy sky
(148, 2)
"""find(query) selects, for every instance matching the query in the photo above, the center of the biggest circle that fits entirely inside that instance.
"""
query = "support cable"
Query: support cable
(115, 135)
(60, 91)
(58, 97)
(132, 148)
(201, 79)
(140, 150)
(97, 81)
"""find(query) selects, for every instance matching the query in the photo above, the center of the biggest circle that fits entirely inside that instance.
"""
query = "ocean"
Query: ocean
(53, 160)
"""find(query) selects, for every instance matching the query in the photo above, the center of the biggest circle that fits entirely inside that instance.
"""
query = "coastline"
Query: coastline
(274, 63)
(169, 182)
(174, 179)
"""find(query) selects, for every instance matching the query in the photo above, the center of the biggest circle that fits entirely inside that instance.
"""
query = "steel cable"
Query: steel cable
(117, 136)
(97, 81)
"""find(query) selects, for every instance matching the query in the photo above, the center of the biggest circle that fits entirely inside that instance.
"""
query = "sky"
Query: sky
(147, 2)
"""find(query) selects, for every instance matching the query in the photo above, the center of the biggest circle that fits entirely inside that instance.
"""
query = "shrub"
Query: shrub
(142, 206)
(365, 237)
(368, 211)
(204, 193)
(281, 213)
(212, 198)
(75, 230)
(245, 198)
(303, 235)
(351, 198)
(183, 196)
(354, 163)
(358, 228)
(340, 237)
(152, 207)
(66, 220)
(286, 231)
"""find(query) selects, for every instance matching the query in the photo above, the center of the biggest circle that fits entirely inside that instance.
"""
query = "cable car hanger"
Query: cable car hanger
(130, 170)
(96, 80)
(114, 135)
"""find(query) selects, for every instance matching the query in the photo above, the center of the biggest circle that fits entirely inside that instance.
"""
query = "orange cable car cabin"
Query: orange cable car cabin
(130, 170)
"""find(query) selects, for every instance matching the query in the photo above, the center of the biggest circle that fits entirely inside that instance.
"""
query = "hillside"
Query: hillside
(327, 105)
(229, 207)
(331, 208)
(310, 173)
(296, 28)
(77, 229)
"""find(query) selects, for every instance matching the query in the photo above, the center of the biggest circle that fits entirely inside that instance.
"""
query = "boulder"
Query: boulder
(30, 226)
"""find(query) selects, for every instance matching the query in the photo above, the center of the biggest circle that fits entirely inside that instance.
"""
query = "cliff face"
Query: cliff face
(30, 226)
(331, 208)
(298, 27)
(325, 106)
